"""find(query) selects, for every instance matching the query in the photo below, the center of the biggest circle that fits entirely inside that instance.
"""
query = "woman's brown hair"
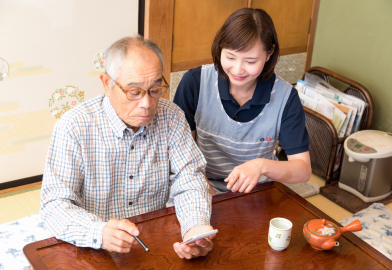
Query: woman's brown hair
(240, 32)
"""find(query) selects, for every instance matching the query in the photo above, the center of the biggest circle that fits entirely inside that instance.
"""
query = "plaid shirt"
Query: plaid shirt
(98, 169)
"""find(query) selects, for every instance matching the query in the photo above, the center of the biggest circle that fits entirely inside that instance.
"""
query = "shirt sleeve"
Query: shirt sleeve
(61, 203)
(187, 95)
(188, 185)
(293, 135)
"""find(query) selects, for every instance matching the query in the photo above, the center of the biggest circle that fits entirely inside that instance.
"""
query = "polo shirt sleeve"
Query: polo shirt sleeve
(187, 95)
(293, 136)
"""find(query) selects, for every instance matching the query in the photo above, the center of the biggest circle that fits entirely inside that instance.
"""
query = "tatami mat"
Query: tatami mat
(317, 179)
(330, 208)
(19, 205)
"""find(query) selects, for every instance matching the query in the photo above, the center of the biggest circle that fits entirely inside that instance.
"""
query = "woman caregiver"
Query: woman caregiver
(238, 108)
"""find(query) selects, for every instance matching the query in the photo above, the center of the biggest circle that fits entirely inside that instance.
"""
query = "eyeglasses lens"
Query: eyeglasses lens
(139, 94)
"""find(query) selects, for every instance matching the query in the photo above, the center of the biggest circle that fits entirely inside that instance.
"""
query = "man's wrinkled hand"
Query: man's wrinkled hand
(199, 248)
(117, 235)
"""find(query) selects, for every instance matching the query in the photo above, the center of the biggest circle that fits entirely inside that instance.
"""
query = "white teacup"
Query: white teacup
(279, 233)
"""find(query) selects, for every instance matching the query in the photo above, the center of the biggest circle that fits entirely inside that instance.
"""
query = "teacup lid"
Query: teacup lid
(322, 227)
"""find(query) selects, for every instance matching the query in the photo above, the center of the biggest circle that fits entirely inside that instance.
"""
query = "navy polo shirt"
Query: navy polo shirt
(293, 136)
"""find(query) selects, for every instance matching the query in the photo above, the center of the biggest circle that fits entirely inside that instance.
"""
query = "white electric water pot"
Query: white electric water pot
(367, 165)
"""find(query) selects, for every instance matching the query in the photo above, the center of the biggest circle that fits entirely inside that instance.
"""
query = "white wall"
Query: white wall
(50, 44)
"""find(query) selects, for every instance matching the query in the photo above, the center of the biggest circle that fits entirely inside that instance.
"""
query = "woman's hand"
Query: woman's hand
(245, 176)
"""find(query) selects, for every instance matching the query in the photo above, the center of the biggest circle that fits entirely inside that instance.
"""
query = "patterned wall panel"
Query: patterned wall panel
(291, 67)
(53, 50)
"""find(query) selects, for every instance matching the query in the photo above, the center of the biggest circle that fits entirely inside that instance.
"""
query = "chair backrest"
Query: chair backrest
(354, 88)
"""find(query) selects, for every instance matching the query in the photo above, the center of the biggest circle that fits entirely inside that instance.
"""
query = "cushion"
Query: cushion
(15, 235)
(376, 223)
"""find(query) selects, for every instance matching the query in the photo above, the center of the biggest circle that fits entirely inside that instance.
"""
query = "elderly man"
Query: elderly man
(110, 159)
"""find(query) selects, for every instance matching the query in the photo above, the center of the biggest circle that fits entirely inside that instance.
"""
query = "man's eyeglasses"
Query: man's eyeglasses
(138, 93)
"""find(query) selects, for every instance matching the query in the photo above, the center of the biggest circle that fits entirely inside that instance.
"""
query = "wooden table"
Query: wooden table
(242, 221)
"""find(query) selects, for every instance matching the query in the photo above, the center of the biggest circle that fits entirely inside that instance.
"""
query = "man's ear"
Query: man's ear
(270, 52)
(106, 83)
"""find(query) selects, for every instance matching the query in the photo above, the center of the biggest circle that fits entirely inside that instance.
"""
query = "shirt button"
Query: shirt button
(130, 203)
(132, 147)
(131, 177)
(262, 139)
(144, 136)
(95, 240)
(74, 242)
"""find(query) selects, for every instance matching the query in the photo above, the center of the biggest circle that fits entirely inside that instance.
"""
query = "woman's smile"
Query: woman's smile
(238, 78)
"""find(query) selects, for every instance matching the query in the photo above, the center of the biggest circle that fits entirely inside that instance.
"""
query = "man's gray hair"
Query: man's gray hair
(117, 53)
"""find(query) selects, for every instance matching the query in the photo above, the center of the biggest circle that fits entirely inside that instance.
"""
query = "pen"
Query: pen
(141, 243)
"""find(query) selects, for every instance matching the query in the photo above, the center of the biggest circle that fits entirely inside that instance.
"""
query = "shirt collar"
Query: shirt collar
(117, 125)
(261, 96)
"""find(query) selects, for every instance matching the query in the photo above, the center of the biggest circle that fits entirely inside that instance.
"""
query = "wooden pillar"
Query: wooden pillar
(158, 27)
(312, 33)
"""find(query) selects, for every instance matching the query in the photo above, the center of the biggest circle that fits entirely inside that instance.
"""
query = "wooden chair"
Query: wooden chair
(323, 136)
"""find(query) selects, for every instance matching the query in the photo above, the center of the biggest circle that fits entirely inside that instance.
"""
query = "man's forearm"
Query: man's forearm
(73, 224)
(192, 206)
(64, 218)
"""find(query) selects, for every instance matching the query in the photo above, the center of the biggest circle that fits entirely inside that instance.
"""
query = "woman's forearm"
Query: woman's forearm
(293, 171)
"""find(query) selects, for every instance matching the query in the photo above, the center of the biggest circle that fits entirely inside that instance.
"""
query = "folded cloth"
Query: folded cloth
(376, 223)
(305, 189)
(15, 235)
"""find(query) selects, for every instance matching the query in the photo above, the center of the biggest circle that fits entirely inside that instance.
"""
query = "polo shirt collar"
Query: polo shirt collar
(260, 96)
(224, 91)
